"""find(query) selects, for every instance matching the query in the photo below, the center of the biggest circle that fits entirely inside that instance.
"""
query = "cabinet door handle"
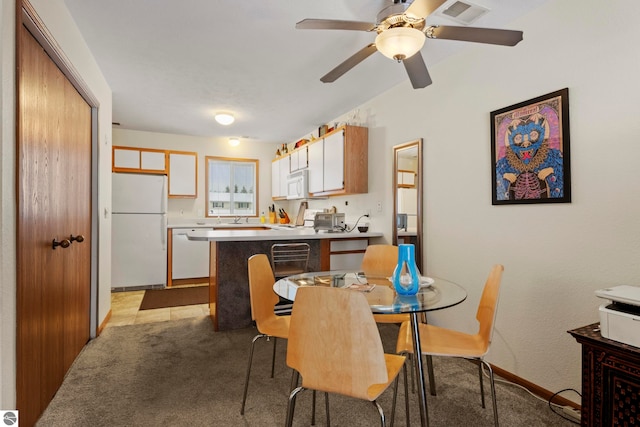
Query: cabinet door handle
(79, 238)
(64, 243)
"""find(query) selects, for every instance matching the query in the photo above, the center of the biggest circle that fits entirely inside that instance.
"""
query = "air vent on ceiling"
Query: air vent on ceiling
(462, 12)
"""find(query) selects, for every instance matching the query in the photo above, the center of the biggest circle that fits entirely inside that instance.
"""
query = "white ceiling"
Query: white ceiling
(173, 64)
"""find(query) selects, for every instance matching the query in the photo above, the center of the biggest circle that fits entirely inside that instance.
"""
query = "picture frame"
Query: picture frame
(530, 156)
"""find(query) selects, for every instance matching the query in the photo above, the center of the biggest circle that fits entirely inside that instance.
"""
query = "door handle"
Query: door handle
(79, 238)
(64, 244)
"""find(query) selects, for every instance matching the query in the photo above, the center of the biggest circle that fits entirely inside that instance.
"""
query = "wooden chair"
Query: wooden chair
(263, 299)
(289, 258)
(380, 261)
(334, 344)
(438, 341)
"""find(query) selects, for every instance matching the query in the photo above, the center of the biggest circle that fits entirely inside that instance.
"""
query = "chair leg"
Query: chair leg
(493, 392)
(326, 408)
(432, 379)
(381, 412)
(413, 380)
(481, 382)
(273, 358)
(395, 398)
(246, 380)
(291, 406)
(313, 408)
(406, 397)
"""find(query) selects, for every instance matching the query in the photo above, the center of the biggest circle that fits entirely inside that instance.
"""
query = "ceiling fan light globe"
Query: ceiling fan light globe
(400, 43)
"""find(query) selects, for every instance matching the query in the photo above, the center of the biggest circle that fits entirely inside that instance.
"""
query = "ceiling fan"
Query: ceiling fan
(402, 31)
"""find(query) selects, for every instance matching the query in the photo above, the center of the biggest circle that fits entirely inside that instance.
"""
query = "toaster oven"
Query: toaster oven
(331, 222)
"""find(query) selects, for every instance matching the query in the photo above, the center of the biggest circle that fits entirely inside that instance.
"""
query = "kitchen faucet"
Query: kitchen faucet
(236, 220)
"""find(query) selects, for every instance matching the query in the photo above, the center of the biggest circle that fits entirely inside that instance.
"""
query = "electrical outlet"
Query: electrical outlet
(571, 413)
(379, 207)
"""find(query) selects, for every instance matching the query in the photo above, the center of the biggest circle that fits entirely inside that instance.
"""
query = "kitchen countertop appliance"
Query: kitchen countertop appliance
(331, 222)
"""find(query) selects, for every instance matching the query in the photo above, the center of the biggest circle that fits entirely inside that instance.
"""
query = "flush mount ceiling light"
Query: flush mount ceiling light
(400, 42)
(224, 118)
(234, 142)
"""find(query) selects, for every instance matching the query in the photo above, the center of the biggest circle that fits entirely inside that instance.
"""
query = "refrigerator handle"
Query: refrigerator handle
(163, 232)
(164, 195)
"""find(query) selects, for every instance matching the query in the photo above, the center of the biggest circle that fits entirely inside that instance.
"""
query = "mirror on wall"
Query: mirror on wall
(407, 196)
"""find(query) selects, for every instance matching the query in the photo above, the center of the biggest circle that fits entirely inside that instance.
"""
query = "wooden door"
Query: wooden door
(54, 202)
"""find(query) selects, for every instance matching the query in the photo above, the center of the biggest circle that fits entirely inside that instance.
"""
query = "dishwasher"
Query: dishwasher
(190, 258)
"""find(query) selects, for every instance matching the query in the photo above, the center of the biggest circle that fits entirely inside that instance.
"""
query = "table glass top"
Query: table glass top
(434, 294)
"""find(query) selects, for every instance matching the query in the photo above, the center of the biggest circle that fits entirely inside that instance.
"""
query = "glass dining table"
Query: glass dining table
(434, 294)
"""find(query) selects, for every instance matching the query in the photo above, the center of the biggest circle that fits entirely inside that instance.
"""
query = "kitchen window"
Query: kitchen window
(232, 187)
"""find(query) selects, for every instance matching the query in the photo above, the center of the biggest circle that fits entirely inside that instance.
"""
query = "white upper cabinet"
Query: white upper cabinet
(279, 172)
(316, 166)
(338, 164)
(183, 172)
(334, 162)
(143, 160)
(153, 160)
(299, 159)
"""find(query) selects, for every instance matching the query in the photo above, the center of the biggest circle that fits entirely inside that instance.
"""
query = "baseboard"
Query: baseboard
(191, 281)
(104, 323)
(534, 388)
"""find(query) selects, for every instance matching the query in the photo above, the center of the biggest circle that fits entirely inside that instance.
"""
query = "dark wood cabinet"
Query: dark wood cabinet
(610, 379)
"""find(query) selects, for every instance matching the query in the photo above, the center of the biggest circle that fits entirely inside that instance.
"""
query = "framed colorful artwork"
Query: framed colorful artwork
(530, 160)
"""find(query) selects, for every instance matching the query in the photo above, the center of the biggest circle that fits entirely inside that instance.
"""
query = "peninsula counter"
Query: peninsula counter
(229, 250)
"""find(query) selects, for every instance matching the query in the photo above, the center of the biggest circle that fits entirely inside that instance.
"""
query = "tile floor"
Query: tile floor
(125, 310)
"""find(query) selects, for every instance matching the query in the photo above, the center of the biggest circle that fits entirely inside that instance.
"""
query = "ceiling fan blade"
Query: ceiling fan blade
(478, 35)
(422, 8)
(351, 62)
(417, 71)
(334, 24)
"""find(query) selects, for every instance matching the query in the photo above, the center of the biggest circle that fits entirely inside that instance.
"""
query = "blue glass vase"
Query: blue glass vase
(406, 279)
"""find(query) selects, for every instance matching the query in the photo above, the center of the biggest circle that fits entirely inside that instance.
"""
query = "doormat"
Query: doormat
(174, 297)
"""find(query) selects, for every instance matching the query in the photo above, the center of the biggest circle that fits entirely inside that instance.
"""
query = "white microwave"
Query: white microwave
(298, 185)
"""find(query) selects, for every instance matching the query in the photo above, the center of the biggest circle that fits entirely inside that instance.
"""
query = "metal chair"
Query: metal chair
(330, 357)
(437, 341)
(263, 299)
(289, 258)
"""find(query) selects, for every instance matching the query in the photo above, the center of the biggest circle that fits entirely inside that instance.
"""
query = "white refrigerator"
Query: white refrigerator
(138, 230)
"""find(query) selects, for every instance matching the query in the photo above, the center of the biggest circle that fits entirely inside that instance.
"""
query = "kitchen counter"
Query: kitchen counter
(274, 232)
(229, 250)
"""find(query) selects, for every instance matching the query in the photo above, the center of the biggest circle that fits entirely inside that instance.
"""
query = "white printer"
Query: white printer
(620, 319)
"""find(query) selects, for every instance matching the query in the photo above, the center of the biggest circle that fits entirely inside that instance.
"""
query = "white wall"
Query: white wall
(555, 255)
(59, 23)
(184, 209)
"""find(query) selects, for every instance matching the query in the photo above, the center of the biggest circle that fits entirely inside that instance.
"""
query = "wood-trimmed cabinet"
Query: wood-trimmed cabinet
(180, 166)
(280, 169)
(338, 162)
(139, 160)
(183, 174)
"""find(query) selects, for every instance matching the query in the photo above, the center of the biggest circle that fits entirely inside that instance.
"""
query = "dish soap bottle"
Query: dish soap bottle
(262, 218)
